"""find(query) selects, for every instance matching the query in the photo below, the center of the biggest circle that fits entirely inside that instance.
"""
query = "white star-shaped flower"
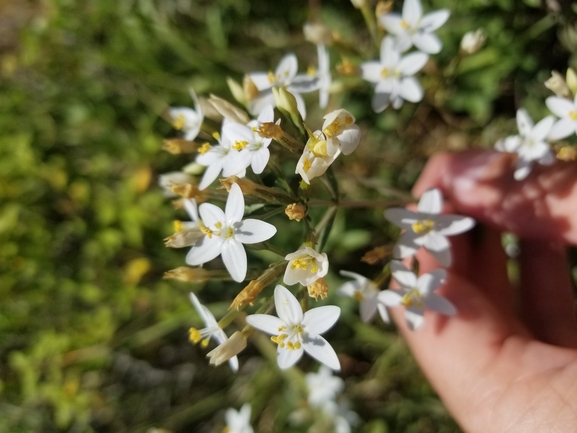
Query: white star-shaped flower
(295, 332)
(324, 387)
(365, 291)
(393, 76)
(566, 110)
(530, 145)
(315, 159)
(211, 330)
(305, 267)
(186, 119)
(340, 132)
(285, 75)
(412, 28)
(416, 294)
(427, 228)
(238, 421)
(225, 232)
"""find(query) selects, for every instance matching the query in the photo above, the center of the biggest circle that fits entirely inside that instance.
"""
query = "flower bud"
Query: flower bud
(383, 7)
(318, 288)
(250, 292)
(359, 3)
(285, 101)
(317, 33)
(558, 85)
(296, 211)
(238, 92)
(231, 347)
(184, 238)
(249, 89)
(376, 255)
(184, 273)
(473, 41)
(571, 79)
(166, 180)
(188, 190)
(228, 111)
(176, 146)
(347, 69)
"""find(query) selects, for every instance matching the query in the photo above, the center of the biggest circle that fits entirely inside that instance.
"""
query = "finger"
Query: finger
(547, 302)
(481, 184)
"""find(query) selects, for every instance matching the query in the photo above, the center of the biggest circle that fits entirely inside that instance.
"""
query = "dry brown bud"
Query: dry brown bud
(250, 90)
(184, 273)
(184, 238)
(318, 288)
(347, 69)
(246, 186)
(383, 7)
(376, 255)
(247, 295)
(177, 146)
(231, 347)
(296, 211)
(270, 130)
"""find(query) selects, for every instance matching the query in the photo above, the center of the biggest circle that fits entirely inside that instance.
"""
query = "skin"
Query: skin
(507, 362)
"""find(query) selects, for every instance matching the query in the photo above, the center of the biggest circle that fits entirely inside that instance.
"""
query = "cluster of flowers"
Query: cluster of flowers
(533, 143)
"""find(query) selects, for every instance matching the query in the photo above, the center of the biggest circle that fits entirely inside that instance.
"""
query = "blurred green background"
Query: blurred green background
(91, 338)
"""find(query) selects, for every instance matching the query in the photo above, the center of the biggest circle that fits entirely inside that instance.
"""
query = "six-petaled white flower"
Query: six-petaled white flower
(305, 266)
(393, 76)
(427, 228)
(285, 75)
(324, 387)
(315, 159)
(238, 421)
(340, 132)
(211, 330)
(295, 332)
(412, 28)
(566, 110)
(416, 294)
(530, 145)
(186, 119)
(365, 291)
(225, 232)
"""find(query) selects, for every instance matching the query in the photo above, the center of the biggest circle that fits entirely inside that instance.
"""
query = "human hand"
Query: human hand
(507, 362)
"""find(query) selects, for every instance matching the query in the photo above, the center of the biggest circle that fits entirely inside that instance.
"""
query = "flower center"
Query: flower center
(318, 147)
(358, 296)
(290, 337)
(412, 298)
(422, 227)
(240, 144)
(404, 25)
(204, 148)
(307, 165)
(272, 78)
(573, 115)
(303, 264)
(178, 122)
(200, 336)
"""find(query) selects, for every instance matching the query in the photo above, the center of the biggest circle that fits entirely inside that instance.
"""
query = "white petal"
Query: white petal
(319, 348)
(260, 80)
(414, 317)
(368, 309)
(401, 217)
(210, 175)
(450, 225)
(428, 43)
(524, 122)
(430, 281)
(304, 83)
(407, 245)
(402, 42)
(380, 101)
(260, 160)
(319, 320)
(510, 144)
(252, 231)
(204, 313)
(211, 214)
(266, 114)
(535, 151)
(301, 105)
(348, 289)
(390, 54)
(234, 204)
(412, 12)
(560, 107)
(204, 251)
(286, 358)
(390, 298)
(392, 23)
(287, 306)
(405, 277)
(542, 128)
(432, 21)
(349, 139)
(383, 313)
(233, 363)
(523, 169)
(431, 202)
(442, 253)
(191, 208)
(266, 323)
(263, 99)
(410, 89)
(371, 71)
(412, 63)
(287, 68)
(440, 305)
(234, 258)
(562, 128)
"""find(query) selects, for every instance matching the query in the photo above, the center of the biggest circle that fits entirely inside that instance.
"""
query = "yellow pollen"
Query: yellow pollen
(271, 77)
(177, 225)
(281, 328)
(358, 296)
(314, 269)
(319, 148)
(298, 328)
(218, 225)
(229, 233)
(216, 135)
(307, 165)
(204, 148)
(304, 262)
(404, 24)
(194, 335)
(312, 71)
(385, 73)
(332, 129)
(204, 343)
(422, 227)
(412, 298)
(206, 231)
(573, 115)
(178, 123)
(239, 145)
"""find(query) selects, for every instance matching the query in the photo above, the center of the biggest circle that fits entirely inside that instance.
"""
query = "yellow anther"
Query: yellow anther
(216, 135)
(422, 227)
(332, 129)
(218, 225)
(314, 269)
(290, 346)
(204, 148)
(298, 345)
(404, 24)
(573, 115)
(358, 296)
(194, 335)
(298, 328)
(229, 232)
(307, 165)
(312, 71)
(281, 328)
(207, 231)
(271, 77)
(177, 225)
(178, 123)
(320, 149)
(204, 343)
(412, 298)
(240, 144)
(385, 73)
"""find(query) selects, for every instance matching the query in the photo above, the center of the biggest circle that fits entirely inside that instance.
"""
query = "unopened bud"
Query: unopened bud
(166, 180)
(249, 89)
(184, 273)
(184, 238)
(237, 91)
(250, 292)
(376, 255)
(317, 33)
(296, 211)
(262, 192)
(359, 3)
(318, 288)
(231, 347)
(383, 7)
(473, 41)
(558, 85)
(347, 69)
(176, 146)
(571, 79)
(228, 111)
(285, 101)
(189, 190)
(208, 110)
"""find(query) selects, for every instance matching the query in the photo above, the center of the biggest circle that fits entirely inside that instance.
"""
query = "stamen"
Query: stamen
(240, 144)
(178, 123)
(423, 227)
(194, 335)
(207, 231)
(204, 148)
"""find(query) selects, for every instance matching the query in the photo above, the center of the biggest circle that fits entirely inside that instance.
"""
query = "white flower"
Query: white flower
(530, 144)
(166, 180)
(220, 158)
(324, 75)
(566, 110)
(285, 76)
(340, 132)
(365, 291)
(393, 76)
(187, 119)
(416, 294)
(305, 267)
(225, 232)
(427, 228)
(295, 332)
(212, 330)
(412, 28)
(473, 41)
(315, 159)
(323, 387)
(252, 147)
(238, 422)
